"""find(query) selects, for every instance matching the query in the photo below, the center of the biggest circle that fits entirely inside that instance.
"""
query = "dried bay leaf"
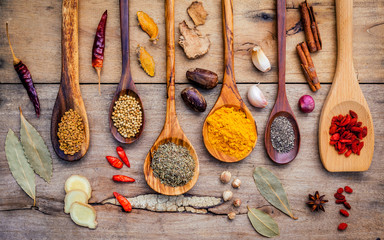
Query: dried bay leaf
(35, 149)
(272, 190)
(263, 223)
(19, 166)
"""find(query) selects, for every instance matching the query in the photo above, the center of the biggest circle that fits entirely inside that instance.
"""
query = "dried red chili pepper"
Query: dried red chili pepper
(123, 202)
(342, 226)
(114, 161)
(25, 78)
(348, 189)
(347, 205)
(99, 45)
(122, 178)
(120, 151)
(344, 213)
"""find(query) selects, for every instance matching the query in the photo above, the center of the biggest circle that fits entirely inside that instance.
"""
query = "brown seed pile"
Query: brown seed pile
(71, 132)
(127, 116)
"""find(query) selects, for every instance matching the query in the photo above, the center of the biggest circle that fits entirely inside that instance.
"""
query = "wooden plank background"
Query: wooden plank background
(35, 34)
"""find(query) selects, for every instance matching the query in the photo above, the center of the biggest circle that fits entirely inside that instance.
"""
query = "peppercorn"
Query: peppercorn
(237, 202)
(231, 215)
(236, 183)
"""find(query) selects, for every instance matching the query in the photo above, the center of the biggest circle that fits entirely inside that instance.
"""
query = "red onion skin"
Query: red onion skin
(306, 104)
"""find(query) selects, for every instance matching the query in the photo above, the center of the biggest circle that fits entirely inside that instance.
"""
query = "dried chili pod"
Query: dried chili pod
(99, 45)
(25, 78)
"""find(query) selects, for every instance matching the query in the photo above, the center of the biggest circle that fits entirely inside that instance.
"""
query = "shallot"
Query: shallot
(306, 104)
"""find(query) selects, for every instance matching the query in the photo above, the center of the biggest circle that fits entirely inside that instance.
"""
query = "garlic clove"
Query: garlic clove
(259, 59)
(256, 97)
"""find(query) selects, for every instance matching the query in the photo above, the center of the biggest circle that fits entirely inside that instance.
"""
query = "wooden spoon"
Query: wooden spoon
(229, 95)
(172, 131)
(281, 107)
(69, 95)
(345, 95)
(126, 85)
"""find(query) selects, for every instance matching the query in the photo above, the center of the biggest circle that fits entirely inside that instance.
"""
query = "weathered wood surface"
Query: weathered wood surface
(35, 34)
(302, 176)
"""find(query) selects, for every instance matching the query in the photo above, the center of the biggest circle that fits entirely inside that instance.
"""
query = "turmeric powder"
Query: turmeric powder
(231, 132)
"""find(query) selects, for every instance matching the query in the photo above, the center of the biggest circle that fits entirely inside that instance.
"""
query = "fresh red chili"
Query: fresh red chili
(123, 202)
(120, 151)
(25, 78)
(122, 178)
(99, 45)
(114, 161)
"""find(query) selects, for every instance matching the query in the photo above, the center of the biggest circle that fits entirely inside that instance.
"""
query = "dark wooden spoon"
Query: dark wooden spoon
(172, 131)
(69, 95)
(229, 95)
(126, 85)
(281, 107)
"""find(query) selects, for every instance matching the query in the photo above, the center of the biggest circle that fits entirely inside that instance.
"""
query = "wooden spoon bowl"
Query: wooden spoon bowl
(172, 131)
(126, 85)
(281, 107)
(69, 95)
(229, 95)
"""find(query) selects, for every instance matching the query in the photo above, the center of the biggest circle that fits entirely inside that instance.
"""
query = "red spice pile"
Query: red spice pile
(340, 199)
(346, 133)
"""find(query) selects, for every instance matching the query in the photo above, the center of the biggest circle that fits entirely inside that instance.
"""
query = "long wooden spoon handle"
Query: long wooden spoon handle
(227, 7)
(281, 44)
(70, 44)
(344, 21)
(124, 28)
(170, 29)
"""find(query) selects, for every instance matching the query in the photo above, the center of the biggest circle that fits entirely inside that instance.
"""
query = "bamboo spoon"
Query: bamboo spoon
(126, 85)
(69, 95)
(281, 107)
(172, 131)
(345, 95)
(229, 95)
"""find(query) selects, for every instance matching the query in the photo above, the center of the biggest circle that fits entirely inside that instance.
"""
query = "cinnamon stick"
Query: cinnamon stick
(311, 29)
(308, 66)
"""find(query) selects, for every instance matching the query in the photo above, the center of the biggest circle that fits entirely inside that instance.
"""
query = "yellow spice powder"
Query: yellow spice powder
(231, 132)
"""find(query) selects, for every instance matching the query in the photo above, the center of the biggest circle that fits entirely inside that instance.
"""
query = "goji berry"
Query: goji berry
(122, 178)
(339, 196)
(358, 124)
(120, 151)
(342, 226)
(114, 161)
(123, 202)
(344, 213)
(340, 201)
(348, 189)
(340, 190)
(335, 137)
(347, 205)
(348, 153)
(353, 114)
(365, 131)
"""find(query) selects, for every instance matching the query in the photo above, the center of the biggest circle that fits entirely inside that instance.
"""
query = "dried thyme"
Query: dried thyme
(173, 164)
(282, 135)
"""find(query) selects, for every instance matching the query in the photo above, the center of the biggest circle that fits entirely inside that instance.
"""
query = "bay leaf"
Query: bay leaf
(263, 223)
(35, 149)
(272, 190)
(19, 166)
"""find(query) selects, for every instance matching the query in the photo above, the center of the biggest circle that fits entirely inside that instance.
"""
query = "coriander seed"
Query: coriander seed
(70, 132)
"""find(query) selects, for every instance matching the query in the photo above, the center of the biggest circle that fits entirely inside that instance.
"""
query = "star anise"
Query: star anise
(316, 202)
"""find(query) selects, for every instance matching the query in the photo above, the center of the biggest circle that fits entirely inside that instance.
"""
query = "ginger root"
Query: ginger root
(197, 12)
(74, 196)
(83, 215)
(78, 182)
(192, 41)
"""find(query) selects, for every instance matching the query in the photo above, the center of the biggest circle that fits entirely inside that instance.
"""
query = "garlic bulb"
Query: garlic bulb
(259, 59)
(256, 97)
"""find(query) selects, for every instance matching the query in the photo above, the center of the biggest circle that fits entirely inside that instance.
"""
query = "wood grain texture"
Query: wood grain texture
(38, 24)
(69, 95)
(282, 107)
(345, 95)
(229, 95)
(126, 85)
(172, 131)
(301, 177)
